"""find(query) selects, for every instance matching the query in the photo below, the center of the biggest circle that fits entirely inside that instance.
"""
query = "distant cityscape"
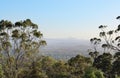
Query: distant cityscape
(65, 48)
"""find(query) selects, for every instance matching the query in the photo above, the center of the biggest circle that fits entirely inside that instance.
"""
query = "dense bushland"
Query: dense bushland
(20, 44)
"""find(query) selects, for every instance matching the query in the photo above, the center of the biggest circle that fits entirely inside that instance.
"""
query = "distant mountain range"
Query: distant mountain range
(65, 48)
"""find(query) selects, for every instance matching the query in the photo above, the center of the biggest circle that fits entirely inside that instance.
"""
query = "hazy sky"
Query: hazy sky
(64, 18)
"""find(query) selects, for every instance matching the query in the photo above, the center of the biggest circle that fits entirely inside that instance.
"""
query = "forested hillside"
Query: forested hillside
(20, 57)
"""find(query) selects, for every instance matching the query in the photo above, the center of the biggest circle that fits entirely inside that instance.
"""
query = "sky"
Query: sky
(64, 18)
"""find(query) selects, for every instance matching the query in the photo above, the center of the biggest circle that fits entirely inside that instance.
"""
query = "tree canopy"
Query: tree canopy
(109, 60)
(19, 42)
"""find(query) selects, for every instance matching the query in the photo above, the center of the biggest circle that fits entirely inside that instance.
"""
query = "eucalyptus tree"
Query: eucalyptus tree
(104, 63)
(93, 73)
(19, 44)
(79, 63)
(1, 72)
(95, 42)
(116, 64)
(60, 70)
(110, 40)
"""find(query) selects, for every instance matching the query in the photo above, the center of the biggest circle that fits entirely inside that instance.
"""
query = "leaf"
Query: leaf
(118, 37)
(101, 26)
(110, 32)
(18, 24)
(37, 34)
(118, 44)
(118, 17)
(3, 33)
(91, 40)
(34, 26)
(102, 34)
(42, 42)
(104, 45)
(15, 33)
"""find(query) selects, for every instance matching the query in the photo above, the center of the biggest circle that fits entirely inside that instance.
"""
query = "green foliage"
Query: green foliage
(1, 72)
(79, 63)
(117, 77)
(93, 73)
(17, 45)
(116, 66)
(108, 62)
(47, 67)
(60, 70)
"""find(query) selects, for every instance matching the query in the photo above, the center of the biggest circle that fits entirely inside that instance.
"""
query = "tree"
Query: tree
(19, 44)
(1, 72)
(111, 38)
(116, 64)
(79, 63)
(104, 63)
(110, 43)
(95, 42)
(60, 70)
(93, 73)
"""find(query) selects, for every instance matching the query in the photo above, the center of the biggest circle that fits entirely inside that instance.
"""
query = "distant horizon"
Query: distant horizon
(66, 38)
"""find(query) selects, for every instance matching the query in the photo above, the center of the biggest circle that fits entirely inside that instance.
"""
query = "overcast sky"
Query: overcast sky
(64, 18)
